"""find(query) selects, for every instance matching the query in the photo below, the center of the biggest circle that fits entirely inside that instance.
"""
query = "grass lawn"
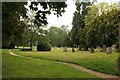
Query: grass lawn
(98, 61)
(17, 67)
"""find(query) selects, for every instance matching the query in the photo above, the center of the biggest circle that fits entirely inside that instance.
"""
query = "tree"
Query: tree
(39, 20)
(101, 25)
(11, 17)
(56, 36)
(47, 7)
(68, 40)
(90, 21)
(78, 35)
(11, 24)
(110, 26)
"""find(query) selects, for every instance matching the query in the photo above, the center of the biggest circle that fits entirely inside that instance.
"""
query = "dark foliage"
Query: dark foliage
(48, 7)
(25, 49)
(43, 46)
(12, 27)
(77, 32)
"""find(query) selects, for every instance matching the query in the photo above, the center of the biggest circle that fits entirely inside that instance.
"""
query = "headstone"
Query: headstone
(65, 49)
(114, 48)
(79, 48)
(92, 50)
(99, 49)
(103, 48)
(73, 50)
(109, 50)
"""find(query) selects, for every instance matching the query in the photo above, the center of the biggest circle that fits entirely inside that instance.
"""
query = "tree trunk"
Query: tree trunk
(12, 45)
(86, 49)
(119, 31)
(30, 44)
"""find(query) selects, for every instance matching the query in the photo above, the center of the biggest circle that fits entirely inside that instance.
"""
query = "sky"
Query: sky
(66, 18)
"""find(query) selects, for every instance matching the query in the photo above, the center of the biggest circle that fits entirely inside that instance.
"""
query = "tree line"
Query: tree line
(17, 32)
(94, 24)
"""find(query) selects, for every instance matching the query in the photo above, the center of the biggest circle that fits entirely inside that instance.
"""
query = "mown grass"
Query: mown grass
(98, 61)
(19, 67)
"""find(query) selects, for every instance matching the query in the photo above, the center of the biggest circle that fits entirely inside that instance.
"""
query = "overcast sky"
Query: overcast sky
(66, 18)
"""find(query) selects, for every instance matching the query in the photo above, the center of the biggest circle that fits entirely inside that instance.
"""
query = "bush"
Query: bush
(43, 46)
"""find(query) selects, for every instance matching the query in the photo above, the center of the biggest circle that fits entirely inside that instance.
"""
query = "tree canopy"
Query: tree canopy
(56, 36)
(102, 25)
(14, 27)
(78, 35)
(47, 8)
(95, 25)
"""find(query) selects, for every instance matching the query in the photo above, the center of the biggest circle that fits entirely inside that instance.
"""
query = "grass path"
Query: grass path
(101, 75)
(22, 67)
(99, 61)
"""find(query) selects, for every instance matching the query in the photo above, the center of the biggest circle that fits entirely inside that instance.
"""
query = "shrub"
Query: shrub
(43, 46)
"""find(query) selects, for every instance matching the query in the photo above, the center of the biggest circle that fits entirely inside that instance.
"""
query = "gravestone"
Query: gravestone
(73, 50)
(114, 48)
(92, 50)
(79, 48)
(109, 50)
(65, 49)
(99, 49)
(103, 48)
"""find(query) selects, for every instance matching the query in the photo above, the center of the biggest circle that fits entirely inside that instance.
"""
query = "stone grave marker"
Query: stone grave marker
(99, 49)
(73, 50)
(65, 49)
(103, 48)
(109, 50)
(92, 50)
(114, 48)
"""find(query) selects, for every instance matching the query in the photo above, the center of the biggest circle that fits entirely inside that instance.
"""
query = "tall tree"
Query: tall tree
(90, 22)
(41, 9)
(56, 36)
(11, 17)
(78, 23)
(11, 24)
(46, 8)
(102, 25)
(68, 40)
